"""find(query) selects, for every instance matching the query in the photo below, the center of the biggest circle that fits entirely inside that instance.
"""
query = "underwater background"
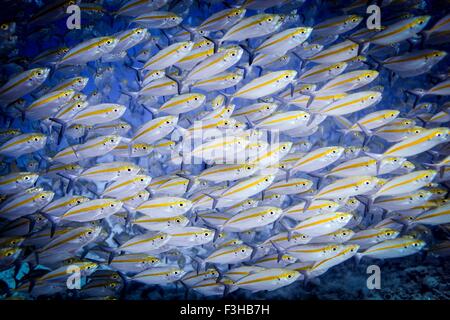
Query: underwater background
(424, 275)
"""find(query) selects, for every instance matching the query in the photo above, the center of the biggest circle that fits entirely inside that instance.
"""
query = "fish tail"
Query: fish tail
(62, 130)
(200, 263)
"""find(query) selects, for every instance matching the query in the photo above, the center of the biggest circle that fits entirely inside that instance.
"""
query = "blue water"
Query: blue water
(414, 277)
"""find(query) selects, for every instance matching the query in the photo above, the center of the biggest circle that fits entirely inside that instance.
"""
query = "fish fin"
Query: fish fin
(214, 198)
(189, 178)
(62, 130)
(377, 157)
(280, 251)
(358, 258)
(288, 229)
(200, 263)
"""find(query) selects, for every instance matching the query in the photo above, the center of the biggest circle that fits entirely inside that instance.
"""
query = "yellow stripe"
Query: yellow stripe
(244, 187)
(412, 143)
(261, 85)
(149, 129)
(323, 55)
(248, 25)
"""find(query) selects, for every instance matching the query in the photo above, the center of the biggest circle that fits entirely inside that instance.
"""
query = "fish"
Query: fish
(191, 149)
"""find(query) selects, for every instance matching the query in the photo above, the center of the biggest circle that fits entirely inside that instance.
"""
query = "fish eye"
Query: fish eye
(181, 204)
(372, 97)
(334, 248)
(168, 122)
(162, 237)
(206, 234)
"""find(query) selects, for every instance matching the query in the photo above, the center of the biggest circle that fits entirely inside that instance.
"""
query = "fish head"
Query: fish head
(387, 234)
(204, 235)
(330, 206)
(79, 96)
(180, 221)
(39, 75)
(408, 166)
(243, 251)
(437, 192)
(417, 245)
(342, 217)
(87, 267)
(108, 44)
(272, 22)
(350, 250)
(441, 134)
(44, 197)
(174, 274)
(78, 105)
(27, 179)
(352, 21)
(77, 200)
(111, 141)
(343, 234)
(288, 276)
(226, 123)
(374, 97)
(437, 55)
(117, 109)
(11, 241)
(218, 101)
(289, 76)
(234, 53)
(335, 152)
(143, 180)
(368, 76)
(39, 221)
(392, 163)
(90, 233)
(141, 149)
(139, 33)
(185, 47)
(154, 75)
(38, 140)
(419, 23)
(427, 176)
(9, 255)
(236, 14)
(150, 261)
(170, 121)
(172, 19)
(336, 68)
(391, 114)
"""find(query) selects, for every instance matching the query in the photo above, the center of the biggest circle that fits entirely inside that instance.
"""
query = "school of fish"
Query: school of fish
(210, 146)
